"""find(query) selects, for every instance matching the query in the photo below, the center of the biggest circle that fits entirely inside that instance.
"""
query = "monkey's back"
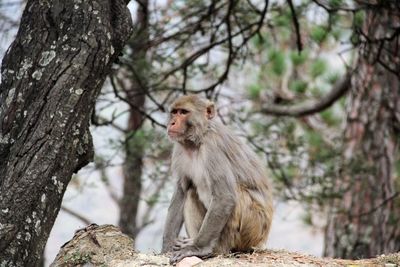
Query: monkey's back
(248, 169)
(251, 219)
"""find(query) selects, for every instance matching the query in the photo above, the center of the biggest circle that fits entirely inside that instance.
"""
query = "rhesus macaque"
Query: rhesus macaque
(222, 196)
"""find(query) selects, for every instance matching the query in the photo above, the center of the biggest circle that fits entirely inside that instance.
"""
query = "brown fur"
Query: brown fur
(247, 228)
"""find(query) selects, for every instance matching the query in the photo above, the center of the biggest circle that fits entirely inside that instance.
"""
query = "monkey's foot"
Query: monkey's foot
(182, 242)
(184, 247)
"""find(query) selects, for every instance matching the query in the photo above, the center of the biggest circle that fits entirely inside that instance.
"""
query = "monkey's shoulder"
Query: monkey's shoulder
(225, 143)
(187, 163)
(221, 137)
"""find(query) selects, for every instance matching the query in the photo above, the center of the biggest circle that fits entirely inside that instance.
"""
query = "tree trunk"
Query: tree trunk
(133, 81)
(51, 76)
(365, 221)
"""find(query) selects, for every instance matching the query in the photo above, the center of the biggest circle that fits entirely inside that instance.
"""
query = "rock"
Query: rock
(97, 245)
(189, 262)
(107, 246)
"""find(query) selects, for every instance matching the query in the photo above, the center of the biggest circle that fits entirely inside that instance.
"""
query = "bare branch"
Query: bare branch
(311, 107)
(296, 25)
(98, 120)
(76, 215)
(330, 9)
(118, 95)
(373, 209)
(232, 52)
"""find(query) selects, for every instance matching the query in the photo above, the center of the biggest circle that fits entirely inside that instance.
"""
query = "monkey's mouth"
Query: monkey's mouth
(174, 134)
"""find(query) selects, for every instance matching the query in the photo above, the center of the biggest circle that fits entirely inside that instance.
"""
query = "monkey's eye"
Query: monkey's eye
(174, 111)
(184, 111)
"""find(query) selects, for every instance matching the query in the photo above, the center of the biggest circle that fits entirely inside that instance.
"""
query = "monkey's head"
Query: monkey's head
(189, 119)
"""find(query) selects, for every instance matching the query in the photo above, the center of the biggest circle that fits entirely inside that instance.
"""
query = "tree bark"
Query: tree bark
(365, 221)
(134, 83)
(51, 76)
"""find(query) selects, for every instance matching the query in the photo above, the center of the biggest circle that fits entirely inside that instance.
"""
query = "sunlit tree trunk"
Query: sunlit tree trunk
(51, 76)
(365, 222)
(133, 81)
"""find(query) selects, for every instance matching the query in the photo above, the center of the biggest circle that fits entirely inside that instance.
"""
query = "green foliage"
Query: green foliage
(337, 34)
(319, 34)
(301, 162)
(357, 165)
(307, 218)
(314, 139)
(289, 128)
(152, 200)
(359, 18)
(137, 141)
(318, 68)
(298, 58)
(291, 171)
(261, 127)
(283, 20)
(329, 117)
(334, 18)
(257, 41)
(278, 62)
(254, 91)
(342, 102)
(335, 3)
(298, 86)
(355, 39)
(317, 148)
(332, 77)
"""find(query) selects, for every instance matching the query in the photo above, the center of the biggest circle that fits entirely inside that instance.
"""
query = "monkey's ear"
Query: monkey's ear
(210, 110)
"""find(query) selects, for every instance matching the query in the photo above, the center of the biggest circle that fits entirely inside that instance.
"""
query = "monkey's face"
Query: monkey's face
(179, 123)
(189, 118)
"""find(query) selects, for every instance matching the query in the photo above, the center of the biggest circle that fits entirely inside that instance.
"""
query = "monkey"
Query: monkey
(222, 195)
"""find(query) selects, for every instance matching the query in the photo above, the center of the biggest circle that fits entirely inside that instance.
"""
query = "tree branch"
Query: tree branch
(296, 25)
(313, 106)
(76, 215)
(131, 105)
(373, 209)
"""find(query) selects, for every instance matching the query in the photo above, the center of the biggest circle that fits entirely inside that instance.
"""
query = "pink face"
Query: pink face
(177, 124)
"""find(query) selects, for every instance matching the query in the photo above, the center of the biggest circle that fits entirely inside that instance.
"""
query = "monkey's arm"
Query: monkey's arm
(174, 219)
(222, 204)
(220, 209)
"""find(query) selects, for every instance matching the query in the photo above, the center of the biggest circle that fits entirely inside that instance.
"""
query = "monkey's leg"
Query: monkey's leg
(205, 229)
(248, 226)
(194, 212)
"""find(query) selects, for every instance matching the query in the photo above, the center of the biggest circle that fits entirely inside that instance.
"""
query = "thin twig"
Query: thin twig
(118, 95)
(76, 215)
(373, 209)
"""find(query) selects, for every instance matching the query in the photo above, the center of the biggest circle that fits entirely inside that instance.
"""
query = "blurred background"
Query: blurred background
(279, 72)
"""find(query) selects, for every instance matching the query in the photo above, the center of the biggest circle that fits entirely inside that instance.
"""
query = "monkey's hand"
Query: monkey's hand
(186, 247)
